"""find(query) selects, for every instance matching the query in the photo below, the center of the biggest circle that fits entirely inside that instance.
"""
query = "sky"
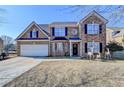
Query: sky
(17, 18)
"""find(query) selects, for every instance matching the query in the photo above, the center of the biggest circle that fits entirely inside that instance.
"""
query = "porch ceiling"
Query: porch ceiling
(74, 39)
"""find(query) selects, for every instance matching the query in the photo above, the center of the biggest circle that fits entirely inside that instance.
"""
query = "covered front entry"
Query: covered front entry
(75, 48)
(66, 48)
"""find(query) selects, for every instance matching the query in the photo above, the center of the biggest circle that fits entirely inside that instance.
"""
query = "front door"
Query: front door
(75, 49)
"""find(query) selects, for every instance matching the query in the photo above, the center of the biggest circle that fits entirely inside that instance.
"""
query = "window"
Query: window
(60, 47)
(34, 34)
(92, 28)
(74, 32)
(93, 47)
(59, 31)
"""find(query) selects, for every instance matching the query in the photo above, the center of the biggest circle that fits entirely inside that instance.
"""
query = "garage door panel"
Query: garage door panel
(34, 50)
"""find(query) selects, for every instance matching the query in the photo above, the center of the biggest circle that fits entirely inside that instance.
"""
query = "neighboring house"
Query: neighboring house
(64, 38)
(1, 45)
(109, 37)
(115, 34)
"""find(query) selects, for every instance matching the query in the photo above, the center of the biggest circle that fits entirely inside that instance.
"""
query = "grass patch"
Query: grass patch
(77, 73)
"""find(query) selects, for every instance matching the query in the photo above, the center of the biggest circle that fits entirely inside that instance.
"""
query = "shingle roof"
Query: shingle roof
(119, 34)
(116, 28)
(45, 28)
(74, 38)
(60, 38)
(32, 38)
(64, 23)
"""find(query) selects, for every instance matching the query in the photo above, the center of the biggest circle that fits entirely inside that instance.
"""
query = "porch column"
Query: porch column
(53, 48)
(81, 49)
(49, 48)
(70, 48)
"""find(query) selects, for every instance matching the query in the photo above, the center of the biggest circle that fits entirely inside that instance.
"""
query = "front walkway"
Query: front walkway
(11, 68)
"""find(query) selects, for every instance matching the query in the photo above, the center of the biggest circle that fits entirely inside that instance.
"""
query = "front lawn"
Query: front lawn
(77, 73)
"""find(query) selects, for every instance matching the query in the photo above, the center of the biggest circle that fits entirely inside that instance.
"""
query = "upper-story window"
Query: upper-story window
(92, 28)
(33, 34)
(74, 32)
(59, 31)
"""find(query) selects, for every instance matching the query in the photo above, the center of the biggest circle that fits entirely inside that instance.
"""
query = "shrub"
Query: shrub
(113, 46)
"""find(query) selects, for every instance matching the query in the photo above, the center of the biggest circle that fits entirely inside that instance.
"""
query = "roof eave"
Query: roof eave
(32, 23)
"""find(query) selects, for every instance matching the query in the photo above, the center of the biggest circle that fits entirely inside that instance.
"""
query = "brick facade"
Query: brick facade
(101, 37)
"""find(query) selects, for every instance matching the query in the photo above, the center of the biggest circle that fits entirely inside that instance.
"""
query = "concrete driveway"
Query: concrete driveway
(11, 68)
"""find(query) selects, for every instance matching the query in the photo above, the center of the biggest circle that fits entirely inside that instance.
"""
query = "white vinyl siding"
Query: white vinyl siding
(59, 31)
(93, 47)
(92, 28)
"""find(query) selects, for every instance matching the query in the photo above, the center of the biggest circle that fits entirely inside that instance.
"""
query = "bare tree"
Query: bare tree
(115, 13)
(7, 41)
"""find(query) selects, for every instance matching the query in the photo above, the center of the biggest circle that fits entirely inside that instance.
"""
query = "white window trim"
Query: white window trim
(34, 33)
(59, 32)
(93, 30)
(95, 47)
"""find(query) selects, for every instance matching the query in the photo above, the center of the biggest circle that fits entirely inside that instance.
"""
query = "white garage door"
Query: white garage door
(34, 50)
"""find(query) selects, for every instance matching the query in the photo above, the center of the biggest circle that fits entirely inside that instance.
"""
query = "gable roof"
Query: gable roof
(33, 23)
(96, 14)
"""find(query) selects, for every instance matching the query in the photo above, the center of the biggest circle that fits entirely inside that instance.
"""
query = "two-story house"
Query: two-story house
(64, 38)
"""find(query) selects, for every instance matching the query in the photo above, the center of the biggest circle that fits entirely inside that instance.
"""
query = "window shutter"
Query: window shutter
(53, 31)
(37, 33)
(30, 34)
(85, 28)
(100, 29)
(66, 31)
(85, 47)
(100, 47)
